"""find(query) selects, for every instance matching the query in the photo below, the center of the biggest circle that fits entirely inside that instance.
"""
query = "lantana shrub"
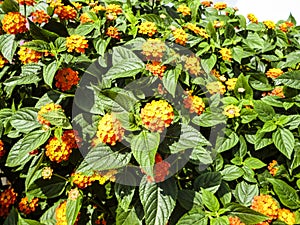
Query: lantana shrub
(147, 112)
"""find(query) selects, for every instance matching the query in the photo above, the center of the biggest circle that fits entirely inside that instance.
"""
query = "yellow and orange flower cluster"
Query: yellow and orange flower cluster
(110, 130)
(84, 18)
(273, 167)
(153, 49)
(180, 36)
(148, 28)
(252, 18)
(206, 3)
(156, 69)
(60, 150)
(231, 111)
(194, 103)
(113, 32)
(216, 74)
(76, 43)
(218, 24)
(197, 30)
(27, 55)
(44, 110)
(184, 10)
(14, 23)
(66, 78)
(3, 61)
(231, 83)
(61, 214)
(26, 2)
(112, 11)
(40, 16)
(274, 73)
(2, 149)
(55, 3)
(161, 170)
(157, 115)
(287, 216)
(235, 221)
(226, 54)
(285, 26)
(192, 65)
(220, 5)
(7, 198)
(28, 207)
(277, 91)
(269, 24)
(65, 12)
(266, 205)
(216, 87)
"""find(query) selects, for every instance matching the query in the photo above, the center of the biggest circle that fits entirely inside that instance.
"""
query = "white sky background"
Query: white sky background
(267, 9)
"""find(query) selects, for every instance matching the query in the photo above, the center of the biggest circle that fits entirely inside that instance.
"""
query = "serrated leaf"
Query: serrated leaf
(49, 72)
(158, 200)
(264, 111)
(189, 198)
(242, 82)
(225, 144)
(57, 118)
(224, 193)
(10, 6)
(195, 216)
(290, 79)
(124, 195)
(284, 141)
(25, 120)
(231, 172)
(244, 193)
(41, 34)
(223, 220)
(209, 119)
(208, 64)
(73, 208)
(209, 200)
(8, 46)
(125, 217)
(170, 79)
(12, 218)
(37, 45)
(254, 163)
(125, 68)
(210, 181)
(260, 82)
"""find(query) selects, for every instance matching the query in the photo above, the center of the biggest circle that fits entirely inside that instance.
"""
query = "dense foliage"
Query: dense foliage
(137, 112)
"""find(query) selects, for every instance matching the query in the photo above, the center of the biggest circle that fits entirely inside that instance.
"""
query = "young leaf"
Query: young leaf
(195, 216)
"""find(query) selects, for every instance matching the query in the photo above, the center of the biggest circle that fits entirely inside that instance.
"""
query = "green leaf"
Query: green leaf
(8, 45)
(158, 200)
(49, 72)
(246, 215)
(238, 53)
(41, 34)
(296, 159)
(244, 193)
(124, 195)
(210, 181)
(25, 120)
(254, 41)
(260, 82)
(194, 216)
(264, 111)
(208, 64)
(85, 28)
(290, 79)
(223, 220)
(48, 218)
(189, 198)
(287, 195)
(28, 221)
(269, 126)
(242, 82)
(224, 193)
(126, 68)
(284, 141)
(21, 80)
(37, 45)
(224, 144)
(125, 217)
(57, 118)
(209, 119)
(201, 156)
(101, 45)
(209, 200)
(231, 172)
(12, 218)
(144, 147)
(45, 189)
(261, 141)
(101, 157)
(19, 153)
(254, 163)
(229, 31)
(170, 79)
(10, 6)
(73, 208)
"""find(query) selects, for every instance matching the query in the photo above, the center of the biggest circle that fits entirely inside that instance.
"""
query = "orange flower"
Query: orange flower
(157, 115)
(216, 87)
(192, 65)
(60, 150)
(235, 221)
(14, 23)
(45, 109)
(194, 103)
(161, 169)
(110, 130)
(266, 205)
(277, 91)
(8, 197)
(286, 216)
(197, 30)
(153, 49)
(252, 18)
(26, 2)
(81, 180)
(98, 8)
(65, 12)
(156, 69)
(269, 24)
(216, 74)
(77, 5)
(273, 167)
(206, 3)
(284, 26)
(55, 3)
(40, 16)
(2, 149)
(66, 78)
(113, 8)
(77, 43)
(148, 28)
(2, 61)
(184, 9)
(84, 18)
(220, 5)
(28, 55)
(226, 54)
(27, 207)
(180, 36)
(113, 32)
(274, 73)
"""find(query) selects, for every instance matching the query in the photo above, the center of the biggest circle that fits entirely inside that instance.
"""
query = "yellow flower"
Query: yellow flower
(180, 36)
(277, 91)
(194, 103)
(156, 69)
(226, 54)
(269, 24)
(184, 9)
(76, 43)
(235, 221)
(40, 16)
(216, 87)
(27, 207)
(45, 109)
(28, 55)
(157, 115)
(110, 130)
(153, 49)
(192, 65)
(77, 5)
(273, 167)
(252, 18)
(220, 5)
(113, 32)
(47, 173)
(55, 3)
(231, 83)
(284, 26)
(148, 28)
(14, 23)
(82, 181)
(98, 8)
(2, 61)
(286, 216)
(197, 30)
(61, 214)
(113, 8)
(84, 18)
(65, 12)
(266, 205)
(218, 24)
(231, 111)
(274, 73)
